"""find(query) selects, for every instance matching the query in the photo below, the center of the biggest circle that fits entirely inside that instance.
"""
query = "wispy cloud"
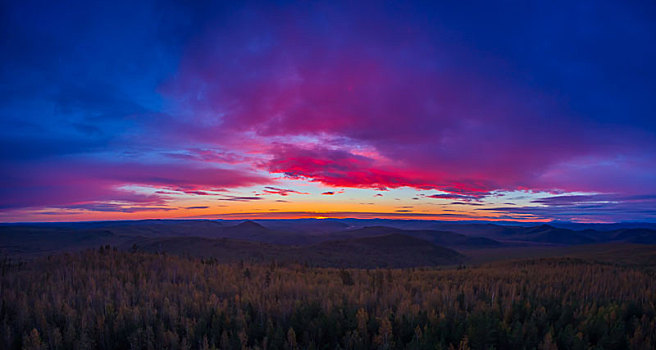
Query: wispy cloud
(281, 191)
(113, 207)
(598, 207)
(240, 198)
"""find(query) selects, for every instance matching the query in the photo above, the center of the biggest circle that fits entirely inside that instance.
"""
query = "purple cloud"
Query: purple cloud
(281, 191)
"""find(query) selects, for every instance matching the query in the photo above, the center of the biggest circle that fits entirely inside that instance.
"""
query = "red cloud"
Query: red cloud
(339, 168)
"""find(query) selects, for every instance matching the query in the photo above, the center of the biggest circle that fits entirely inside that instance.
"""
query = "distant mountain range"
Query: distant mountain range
(348, 242)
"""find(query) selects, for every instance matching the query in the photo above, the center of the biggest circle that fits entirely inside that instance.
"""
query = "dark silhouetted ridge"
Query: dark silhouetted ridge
(394, 240)
(251, 225)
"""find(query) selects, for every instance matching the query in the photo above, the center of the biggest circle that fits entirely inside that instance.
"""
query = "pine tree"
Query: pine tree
(32, 341)
(291, 339)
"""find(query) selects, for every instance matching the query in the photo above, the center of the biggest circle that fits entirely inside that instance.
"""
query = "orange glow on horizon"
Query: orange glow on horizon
(232, 215)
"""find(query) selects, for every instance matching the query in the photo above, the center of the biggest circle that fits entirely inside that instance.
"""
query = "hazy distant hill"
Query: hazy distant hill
(392, 250)
(550, 234)
(305, 226)
(28, 240)
(553, 235)
(634, 235)
(443, 238)
(252, 231)
(223, 249)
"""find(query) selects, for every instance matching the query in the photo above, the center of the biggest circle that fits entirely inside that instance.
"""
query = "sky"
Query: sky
(447, 110)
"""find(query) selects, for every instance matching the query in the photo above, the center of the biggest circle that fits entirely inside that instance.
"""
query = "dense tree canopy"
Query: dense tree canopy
(108, 299)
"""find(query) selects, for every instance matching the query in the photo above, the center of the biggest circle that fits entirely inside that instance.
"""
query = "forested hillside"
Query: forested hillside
(43, 239)
(108, 299)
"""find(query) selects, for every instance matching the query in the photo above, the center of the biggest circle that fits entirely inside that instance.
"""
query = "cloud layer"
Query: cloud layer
(146, 107)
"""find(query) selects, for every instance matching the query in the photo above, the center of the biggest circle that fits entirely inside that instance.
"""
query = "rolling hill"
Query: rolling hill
(393, 250)
(328, 242)
(443, 238)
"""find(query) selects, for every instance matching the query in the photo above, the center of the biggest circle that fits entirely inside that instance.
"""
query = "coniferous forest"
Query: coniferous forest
(109, 299)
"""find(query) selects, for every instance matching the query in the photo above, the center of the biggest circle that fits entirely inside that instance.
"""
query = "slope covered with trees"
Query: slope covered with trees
(108, 299)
